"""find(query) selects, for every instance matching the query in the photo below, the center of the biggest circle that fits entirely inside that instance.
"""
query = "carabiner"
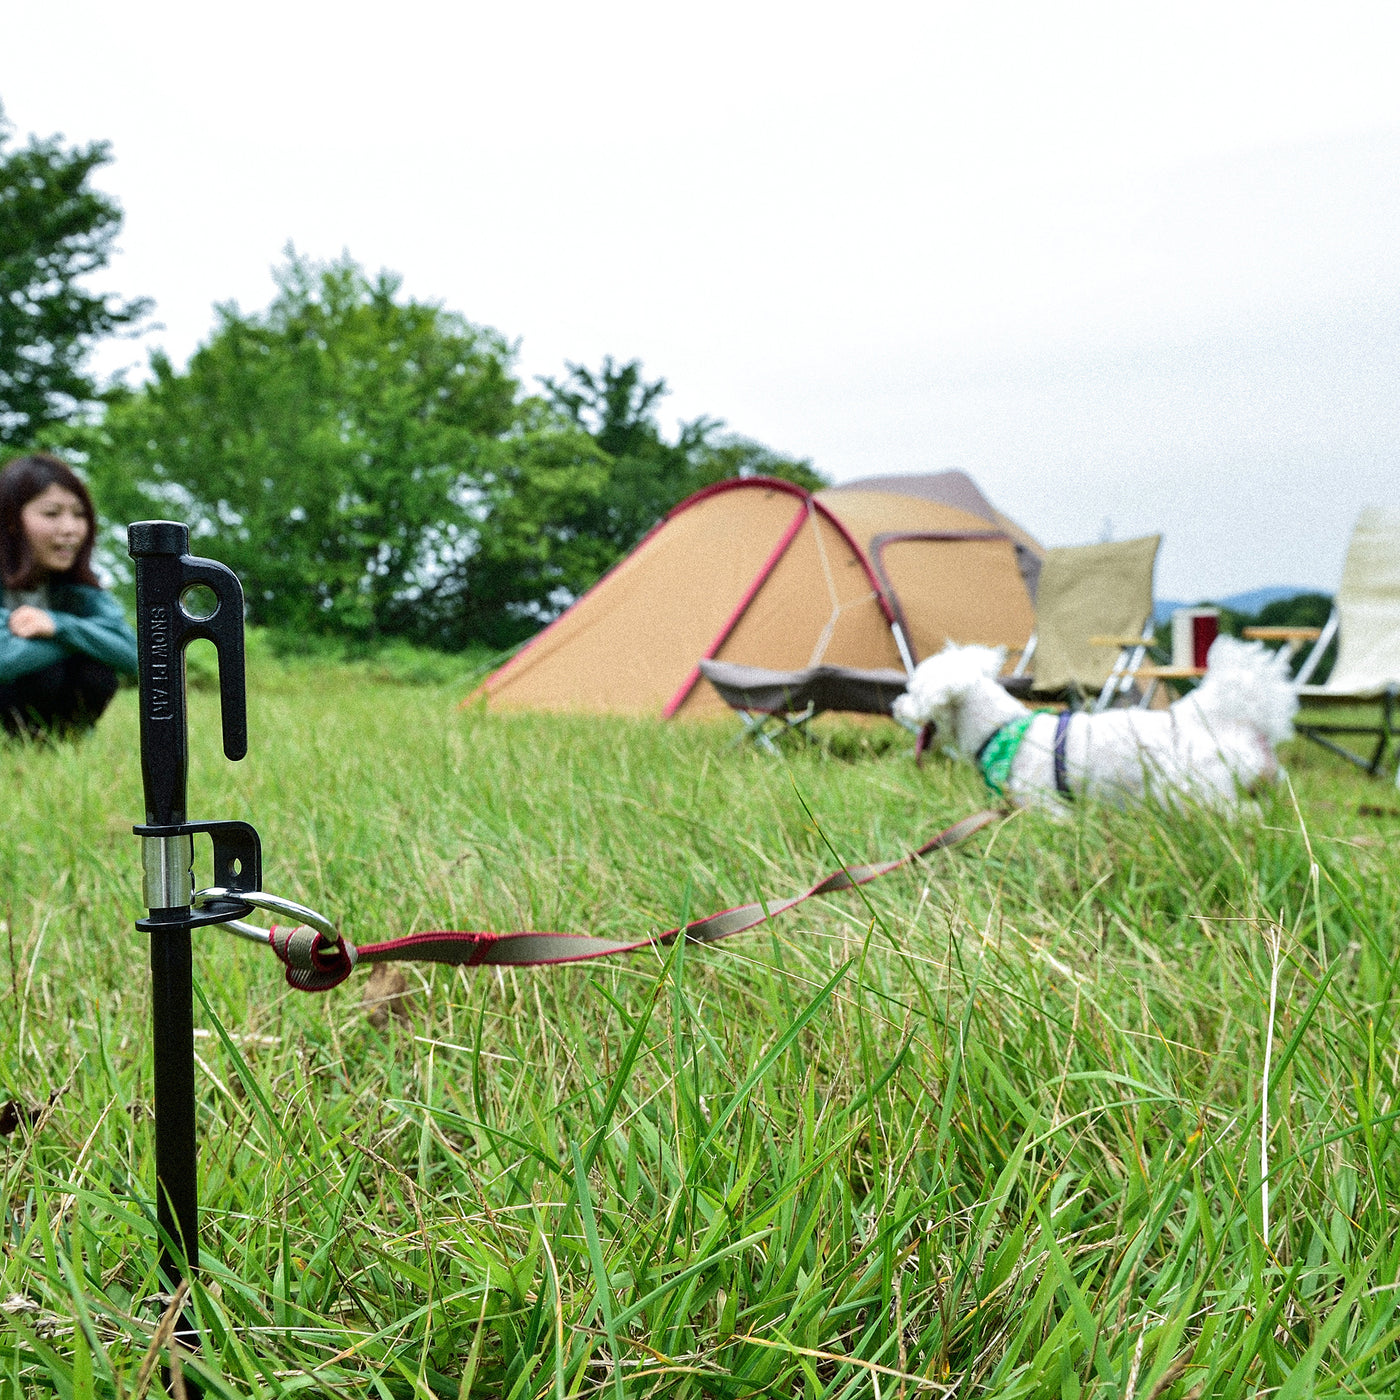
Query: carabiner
(274, 904)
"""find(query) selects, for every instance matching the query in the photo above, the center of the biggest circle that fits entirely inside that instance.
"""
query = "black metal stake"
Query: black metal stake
(167, 620)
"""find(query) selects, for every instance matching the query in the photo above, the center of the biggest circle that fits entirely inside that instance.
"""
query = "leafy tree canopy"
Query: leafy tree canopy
(616, 407)
(345, 452)
(370, 466)
(55, 229)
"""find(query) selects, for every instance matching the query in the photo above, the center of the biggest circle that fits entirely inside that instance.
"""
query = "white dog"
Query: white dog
(1212, 746)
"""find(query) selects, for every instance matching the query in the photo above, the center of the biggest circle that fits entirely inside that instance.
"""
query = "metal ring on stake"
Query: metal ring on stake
(274, 904)
(314, 954)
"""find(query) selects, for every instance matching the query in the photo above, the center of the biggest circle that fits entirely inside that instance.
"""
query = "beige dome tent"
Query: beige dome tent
(760, 572)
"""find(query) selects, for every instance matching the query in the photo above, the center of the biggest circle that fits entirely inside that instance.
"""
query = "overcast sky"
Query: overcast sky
(1133, 267)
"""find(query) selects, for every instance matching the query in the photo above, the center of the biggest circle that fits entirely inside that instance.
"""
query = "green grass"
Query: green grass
(992, 1125)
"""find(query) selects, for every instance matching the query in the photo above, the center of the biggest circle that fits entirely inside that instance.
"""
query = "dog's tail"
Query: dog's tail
(1247, 684)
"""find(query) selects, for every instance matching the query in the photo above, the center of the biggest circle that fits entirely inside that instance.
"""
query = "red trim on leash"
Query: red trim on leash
(316, 970)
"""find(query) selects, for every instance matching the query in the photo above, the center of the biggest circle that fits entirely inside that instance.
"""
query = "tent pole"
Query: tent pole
(902, 643)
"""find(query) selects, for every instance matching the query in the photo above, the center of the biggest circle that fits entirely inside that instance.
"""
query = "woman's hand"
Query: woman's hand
(31, 622)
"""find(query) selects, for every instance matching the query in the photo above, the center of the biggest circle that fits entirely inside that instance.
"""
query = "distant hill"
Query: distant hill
(1250, 602)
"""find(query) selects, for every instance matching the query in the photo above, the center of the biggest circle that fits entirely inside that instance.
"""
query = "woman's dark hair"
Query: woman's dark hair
(20, 482)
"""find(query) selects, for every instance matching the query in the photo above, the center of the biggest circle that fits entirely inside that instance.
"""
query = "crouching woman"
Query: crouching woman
(63, 638)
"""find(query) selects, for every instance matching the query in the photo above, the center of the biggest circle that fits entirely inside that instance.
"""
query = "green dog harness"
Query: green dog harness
(996, 756)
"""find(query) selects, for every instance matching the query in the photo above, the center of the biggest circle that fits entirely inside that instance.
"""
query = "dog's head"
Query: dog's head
(940, 687)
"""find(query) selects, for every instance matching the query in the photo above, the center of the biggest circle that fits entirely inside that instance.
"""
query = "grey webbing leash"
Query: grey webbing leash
(318, 957)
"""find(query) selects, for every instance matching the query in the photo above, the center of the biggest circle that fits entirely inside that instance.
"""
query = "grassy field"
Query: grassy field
(998, 1125)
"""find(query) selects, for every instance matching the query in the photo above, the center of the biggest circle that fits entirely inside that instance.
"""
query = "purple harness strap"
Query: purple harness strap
(1061, 740)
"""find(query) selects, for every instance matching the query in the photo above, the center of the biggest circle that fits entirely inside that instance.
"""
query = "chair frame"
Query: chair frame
(1386, 731)
(764, 728)
(1132, 652)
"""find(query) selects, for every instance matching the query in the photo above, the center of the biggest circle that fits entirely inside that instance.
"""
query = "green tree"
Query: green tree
(369, 467)
(616, 406)
(532, 551)
(55, 229)
(347, 452)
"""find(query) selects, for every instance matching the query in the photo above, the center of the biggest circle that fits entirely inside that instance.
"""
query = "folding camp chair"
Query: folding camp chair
(772, 703)
(1366, 625)
(1093, 624)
